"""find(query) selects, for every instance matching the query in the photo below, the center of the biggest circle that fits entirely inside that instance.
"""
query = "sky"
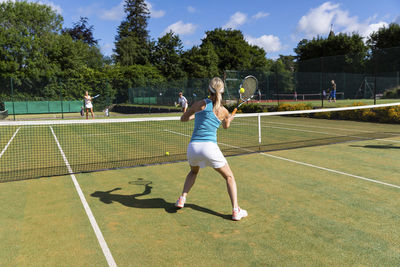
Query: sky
(276, 26)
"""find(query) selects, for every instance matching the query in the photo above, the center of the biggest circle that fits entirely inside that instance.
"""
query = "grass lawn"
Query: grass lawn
(298, 215)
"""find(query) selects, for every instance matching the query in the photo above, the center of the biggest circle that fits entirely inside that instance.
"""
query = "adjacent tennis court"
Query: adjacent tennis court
(322, 192)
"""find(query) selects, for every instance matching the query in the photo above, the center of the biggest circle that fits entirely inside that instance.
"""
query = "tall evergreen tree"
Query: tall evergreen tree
(132, 45)
(167, 56)
(81, 31)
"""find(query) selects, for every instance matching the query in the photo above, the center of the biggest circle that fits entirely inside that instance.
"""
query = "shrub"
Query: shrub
(247, 108)
(290, 107)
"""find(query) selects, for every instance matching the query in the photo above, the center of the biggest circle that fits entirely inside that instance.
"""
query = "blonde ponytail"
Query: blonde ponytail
(216, 87)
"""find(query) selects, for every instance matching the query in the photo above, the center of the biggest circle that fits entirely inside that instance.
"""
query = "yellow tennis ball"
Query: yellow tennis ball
(167, 153)
(241, 90)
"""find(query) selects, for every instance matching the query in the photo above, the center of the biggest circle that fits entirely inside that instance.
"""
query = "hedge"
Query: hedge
(384, 114)
(132, 109)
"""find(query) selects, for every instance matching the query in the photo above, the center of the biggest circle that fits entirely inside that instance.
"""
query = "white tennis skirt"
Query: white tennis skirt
(89, 105)
(205, 154)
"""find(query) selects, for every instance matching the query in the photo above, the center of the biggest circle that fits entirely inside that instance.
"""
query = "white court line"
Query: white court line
(330, 133)
(304, 164)
(9, 142)
(133, 132)
(309, 131)
(395, 141)
(330, 170)
(96, 228)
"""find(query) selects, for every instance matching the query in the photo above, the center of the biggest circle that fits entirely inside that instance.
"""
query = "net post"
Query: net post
(322, 99)
(259, 131)
(12, 96)
(61, 99)
(375, 89)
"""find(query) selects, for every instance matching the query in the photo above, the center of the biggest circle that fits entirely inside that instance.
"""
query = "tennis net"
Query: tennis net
(30, 149)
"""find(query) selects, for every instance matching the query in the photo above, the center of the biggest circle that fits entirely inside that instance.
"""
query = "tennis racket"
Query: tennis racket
(246, 91)
(96, 96)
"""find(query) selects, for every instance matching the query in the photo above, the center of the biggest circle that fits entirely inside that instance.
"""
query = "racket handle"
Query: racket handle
(234, 112)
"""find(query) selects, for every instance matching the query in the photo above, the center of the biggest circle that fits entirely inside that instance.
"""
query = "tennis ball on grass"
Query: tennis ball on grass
(241, 90)
(167, 153)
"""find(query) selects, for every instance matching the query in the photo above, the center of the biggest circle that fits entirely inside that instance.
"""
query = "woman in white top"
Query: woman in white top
(182, 101)
(88, 104)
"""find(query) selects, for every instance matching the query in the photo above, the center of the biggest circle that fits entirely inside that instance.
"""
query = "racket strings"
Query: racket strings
(250, 87)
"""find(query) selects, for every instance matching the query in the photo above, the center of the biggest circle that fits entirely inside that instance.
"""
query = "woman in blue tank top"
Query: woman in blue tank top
(203, 150)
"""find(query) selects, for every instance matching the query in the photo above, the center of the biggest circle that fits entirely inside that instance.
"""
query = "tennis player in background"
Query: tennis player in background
(88, 105)
(208, 115)
(182, 101)
(332, 92)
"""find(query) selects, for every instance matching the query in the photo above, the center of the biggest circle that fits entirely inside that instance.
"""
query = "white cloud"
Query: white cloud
(270, 43)
(154, 13)
(181, 28)
(318, 21)
(107, 49)
(374, 28)
(191, 9)
(260, 15)
(116, 13)
(236, 20)
(53, 6)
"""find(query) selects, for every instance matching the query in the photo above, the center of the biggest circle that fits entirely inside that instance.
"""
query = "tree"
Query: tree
(167, 56)
(201, 62)
(26, 31)
(337, 53)
(288, 62)
(385, 49)
(385, 37)
(234, 53)
(132, 44)
(38, 57)
(283, 75)
(81, 31)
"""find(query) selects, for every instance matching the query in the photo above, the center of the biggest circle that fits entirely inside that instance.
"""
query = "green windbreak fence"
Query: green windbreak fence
(145, 100)
(41, 107)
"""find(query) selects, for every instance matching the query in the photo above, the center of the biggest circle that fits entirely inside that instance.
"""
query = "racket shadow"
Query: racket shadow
(109, 197)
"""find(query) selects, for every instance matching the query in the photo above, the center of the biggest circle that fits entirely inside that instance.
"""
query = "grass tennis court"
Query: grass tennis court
(331, 204)
(298, 215)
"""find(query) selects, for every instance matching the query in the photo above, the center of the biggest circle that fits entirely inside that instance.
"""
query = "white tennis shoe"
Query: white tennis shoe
(238, 214)
(180, 203)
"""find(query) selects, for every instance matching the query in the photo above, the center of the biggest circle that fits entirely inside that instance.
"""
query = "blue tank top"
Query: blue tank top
(205, 125)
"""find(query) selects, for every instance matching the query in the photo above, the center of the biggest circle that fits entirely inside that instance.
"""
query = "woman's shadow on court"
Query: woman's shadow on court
(132, 201)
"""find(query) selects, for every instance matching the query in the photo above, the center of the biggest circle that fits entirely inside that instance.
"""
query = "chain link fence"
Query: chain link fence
(357, 76)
